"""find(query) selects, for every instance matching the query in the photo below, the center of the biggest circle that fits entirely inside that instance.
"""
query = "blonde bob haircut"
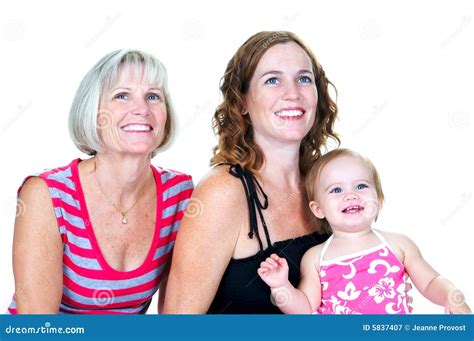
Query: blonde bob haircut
(234, 131)
(104, 75)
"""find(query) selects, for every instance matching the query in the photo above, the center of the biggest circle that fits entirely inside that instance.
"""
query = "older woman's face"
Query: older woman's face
(282, 96)
(132, 115)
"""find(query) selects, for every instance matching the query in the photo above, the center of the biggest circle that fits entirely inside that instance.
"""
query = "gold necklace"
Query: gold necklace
(122, 212)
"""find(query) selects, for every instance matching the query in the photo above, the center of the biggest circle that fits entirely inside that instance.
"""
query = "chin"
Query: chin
(139, 151)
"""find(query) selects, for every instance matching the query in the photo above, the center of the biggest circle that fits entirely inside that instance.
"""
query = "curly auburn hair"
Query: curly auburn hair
(234, 130)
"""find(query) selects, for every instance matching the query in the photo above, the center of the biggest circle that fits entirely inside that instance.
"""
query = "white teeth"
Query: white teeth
(289, 113)
(137, 127)
(353, 209)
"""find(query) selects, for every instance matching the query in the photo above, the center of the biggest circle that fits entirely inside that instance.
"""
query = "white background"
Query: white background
(403, 69)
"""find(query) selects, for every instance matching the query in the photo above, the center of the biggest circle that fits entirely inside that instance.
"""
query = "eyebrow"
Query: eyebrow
(338, 183)
(331, 185)
(130, 89)
(278, 72)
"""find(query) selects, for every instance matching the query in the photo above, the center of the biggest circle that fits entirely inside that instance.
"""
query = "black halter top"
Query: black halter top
(241, 290)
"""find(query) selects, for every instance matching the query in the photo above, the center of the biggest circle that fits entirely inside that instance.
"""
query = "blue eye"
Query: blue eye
(305, 80)
(121, 95)
(272, 81)
(336, 190)
(154, 97)
(361, 186)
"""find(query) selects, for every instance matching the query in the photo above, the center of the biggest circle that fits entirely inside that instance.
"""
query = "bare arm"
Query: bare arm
(37, 253)
(162, 291)
(310, 282)
(430, 284)
(205, 244)
(304, 300)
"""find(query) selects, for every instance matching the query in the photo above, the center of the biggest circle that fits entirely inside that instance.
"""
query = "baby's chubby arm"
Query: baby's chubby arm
(304, 300)
(427, 280)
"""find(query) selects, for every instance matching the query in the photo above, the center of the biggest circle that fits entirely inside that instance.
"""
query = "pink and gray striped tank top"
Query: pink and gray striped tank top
(90, 285)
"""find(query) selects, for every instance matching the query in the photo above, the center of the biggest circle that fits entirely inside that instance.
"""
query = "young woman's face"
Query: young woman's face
(132, 115)
(282, 96)
(346, 195)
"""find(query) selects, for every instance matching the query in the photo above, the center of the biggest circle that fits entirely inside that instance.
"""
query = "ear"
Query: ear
(316, 209)
(245, 110)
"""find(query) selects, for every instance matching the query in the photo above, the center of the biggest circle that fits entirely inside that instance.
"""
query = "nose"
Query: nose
(291, 91)
(141, 107)
(350, 196)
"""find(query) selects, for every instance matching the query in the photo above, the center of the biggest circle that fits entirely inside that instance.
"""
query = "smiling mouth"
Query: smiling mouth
(289, 113)
(353, 209)
(137, 128)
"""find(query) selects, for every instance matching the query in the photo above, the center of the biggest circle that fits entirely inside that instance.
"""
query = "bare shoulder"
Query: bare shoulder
(34, 188)
(219, 184)
(37, 207)
(396, 239)
(311, 256)
(401, 243)
(223, 206)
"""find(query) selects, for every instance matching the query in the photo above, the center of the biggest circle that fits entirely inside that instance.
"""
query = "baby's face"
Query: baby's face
(346, 195)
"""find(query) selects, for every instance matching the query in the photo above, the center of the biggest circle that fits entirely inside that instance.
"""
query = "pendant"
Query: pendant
(124, 219)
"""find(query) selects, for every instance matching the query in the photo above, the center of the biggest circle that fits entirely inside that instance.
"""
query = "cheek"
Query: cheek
(161, 114)
(312, 98)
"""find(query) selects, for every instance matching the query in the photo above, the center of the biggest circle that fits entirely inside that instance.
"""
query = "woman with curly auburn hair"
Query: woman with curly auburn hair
(275, 118)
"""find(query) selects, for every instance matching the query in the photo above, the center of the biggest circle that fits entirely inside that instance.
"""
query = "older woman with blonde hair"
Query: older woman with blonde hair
(97, 234)
(275, 119)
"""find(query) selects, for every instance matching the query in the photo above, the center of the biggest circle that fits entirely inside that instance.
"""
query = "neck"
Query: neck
(281, 165)
(352, 235)
(124, 177)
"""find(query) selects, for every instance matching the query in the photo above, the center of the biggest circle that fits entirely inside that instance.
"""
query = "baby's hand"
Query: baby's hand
(456, 303)
(458, 309)
(274, 271)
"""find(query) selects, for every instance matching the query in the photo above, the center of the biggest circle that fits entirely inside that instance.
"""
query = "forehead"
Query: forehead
(345, 169)
(282, 57)
(133, 73)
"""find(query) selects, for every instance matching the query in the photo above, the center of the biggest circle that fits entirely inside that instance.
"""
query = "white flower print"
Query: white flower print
(339, 308)
(350, 293)
(383, 289)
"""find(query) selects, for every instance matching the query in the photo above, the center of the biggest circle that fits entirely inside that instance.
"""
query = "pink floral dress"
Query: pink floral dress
(371, 281)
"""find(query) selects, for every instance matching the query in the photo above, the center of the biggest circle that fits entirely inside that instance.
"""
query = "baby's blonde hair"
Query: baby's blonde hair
(315, 171)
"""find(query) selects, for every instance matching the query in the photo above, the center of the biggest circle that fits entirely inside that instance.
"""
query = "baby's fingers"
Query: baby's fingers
(272, 262)
(267, 265)
(262, 272)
